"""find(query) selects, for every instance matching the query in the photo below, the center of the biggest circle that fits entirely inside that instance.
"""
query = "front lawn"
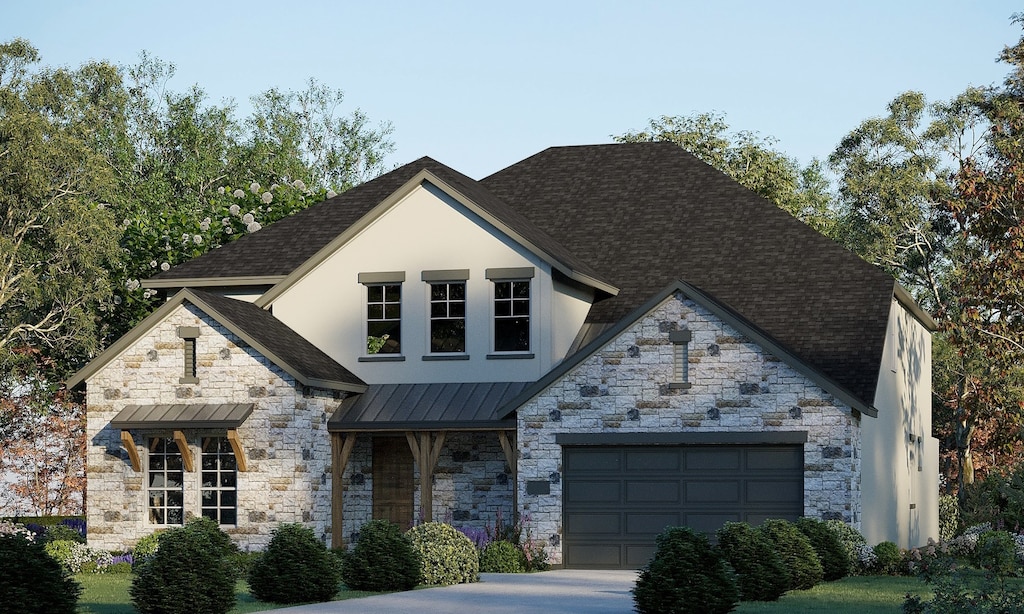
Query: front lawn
(108, 594)
(853, 595)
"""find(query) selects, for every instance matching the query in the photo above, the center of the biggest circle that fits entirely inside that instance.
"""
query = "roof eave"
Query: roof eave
(911, 305)
(441, 425)
(206, 282)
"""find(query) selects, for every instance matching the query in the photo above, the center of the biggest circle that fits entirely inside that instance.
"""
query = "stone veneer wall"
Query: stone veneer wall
(736, 386)
(285, 438)
(472, 483)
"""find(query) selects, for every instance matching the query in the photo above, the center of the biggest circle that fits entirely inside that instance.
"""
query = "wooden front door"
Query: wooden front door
(392, 481)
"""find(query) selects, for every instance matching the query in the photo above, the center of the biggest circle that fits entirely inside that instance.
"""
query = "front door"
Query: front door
(392, 481)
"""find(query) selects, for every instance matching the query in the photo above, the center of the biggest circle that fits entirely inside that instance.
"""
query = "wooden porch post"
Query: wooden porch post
(341, 450)
(426, 449)
(508, 445)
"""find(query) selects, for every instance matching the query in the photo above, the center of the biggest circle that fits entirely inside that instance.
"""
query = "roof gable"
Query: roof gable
(256, 327)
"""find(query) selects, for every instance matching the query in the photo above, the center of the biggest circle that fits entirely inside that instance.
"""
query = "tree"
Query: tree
(750, 160)
(57, 241)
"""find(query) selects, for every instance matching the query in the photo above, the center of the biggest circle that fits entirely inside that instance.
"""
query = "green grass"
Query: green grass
(108, 594)
(854, 595)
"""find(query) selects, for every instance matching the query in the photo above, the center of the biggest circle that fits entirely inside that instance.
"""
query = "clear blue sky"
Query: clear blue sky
(479, 85)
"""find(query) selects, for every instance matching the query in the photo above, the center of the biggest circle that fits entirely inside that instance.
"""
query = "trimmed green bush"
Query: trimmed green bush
(145, 548)
(760, 572)
(382, 560)
(887, 558)
(797, 553)
(835, 563)
(63, 532)
(190, 572)
(996, 552)
(502, 557)
(686, 575)
(32, 582)
(850, 539)
(296, 568)
(447, 555)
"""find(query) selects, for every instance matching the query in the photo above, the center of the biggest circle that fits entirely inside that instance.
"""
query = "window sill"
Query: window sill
(680, 386)
(510, 356)
(430, 357)
(188, 380)
(382, 358)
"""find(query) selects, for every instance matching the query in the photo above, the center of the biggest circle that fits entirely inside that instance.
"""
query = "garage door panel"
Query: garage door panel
(756, 519)
(774, 459)
(713, 492)
(653, 492)
(585, 460)
(774, 491)
(636, 556)
(650, 524)
(712, 458)
(594, 523)
(653, 460)
(595, 556)
(593, 491)
(709, 523)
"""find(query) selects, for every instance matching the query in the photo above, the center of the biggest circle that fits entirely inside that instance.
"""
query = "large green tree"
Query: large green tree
(751, 160)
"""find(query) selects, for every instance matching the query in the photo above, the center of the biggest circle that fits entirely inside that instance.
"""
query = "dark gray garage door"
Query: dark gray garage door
(617, 499)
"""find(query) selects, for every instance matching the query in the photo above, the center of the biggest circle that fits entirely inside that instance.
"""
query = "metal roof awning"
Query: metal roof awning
(173, 417)
(405, 407)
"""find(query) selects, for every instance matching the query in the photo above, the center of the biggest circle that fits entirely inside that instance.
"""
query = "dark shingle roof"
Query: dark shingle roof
(271, 336)
(646, 214)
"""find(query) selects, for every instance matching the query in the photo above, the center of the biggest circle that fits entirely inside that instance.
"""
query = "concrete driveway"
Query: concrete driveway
(563, 591)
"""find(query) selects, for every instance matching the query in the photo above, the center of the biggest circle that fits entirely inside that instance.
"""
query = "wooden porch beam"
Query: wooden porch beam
(508, 445)
(236, 447)
(184, 450)
(133, 452)
(341, 451)
(426, 449)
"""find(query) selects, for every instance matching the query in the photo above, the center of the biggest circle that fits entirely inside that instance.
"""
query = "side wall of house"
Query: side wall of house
(901, 460)
(285, 438)
(736, 387)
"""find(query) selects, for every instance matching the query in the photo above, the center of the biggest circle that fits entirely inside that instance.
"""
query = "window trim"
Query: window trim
(382, 280)
(449, 278)
(511, 275)
(150, 452)
(218, 453)
(190, 367)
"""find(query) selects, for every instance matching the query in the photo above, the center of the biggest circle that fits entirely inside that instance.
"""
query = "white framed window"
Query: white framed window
(511, 315)
(448, 317)
(165, 482)
(219, 486)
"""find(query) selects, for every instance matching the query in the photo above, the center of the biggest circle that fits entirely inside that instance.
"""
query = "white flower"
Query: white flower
(299, 184)
(253, 227)
(248, 218)
(225, 221)
(152, 264)
(197, 239)
(132, 284)
(273, 187)
(220, 190)
(204, 226)
(254, 187)
(102, 205)
(165, 266)
(238, 193)
(117, 300)
(229, 230)
(234, 209)
(266, 198)
(331, 193)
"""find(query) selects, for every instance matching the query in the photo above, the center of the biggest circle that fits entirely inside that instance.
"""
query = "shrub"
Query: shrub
(32, 582)
(190, 572)
(949, 517)
(761, 573)
(145, 548)
(76, 557)
(835, 563)
(996, 553)
(382, 560)
(448, 557)
(62, 532)
(887, 558)
(797, 553)
(502, 557)
(851, 541)
(295, 568)
(685, 575)
(118, 568)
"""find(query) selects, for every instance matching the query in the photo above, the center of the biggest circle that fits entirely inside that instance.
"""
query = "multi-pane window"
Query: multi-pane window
(384, 319)
(512, 316)
(166, 482)
(219, 491)
(448, 316)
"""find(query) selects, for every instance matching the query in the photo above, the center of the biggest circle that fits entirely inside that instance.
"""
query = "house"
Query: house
(607, 339)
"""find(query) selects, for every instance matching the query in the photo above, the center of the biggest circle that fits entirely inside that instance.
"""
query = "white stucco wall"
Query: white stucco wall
(429, 231)
(901, 477)
(285, 438)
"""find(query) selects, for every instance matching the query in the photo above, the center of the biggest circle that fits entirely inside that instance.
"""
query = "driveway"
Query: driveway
(563, 591)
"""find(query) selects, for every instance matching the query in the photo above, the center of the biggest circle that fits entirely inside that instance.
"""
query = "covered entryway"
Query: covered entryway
(617, 498)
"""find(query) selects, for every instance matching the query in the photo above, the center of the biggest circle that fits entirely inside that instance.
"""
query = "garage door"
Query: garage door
(617, 499)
